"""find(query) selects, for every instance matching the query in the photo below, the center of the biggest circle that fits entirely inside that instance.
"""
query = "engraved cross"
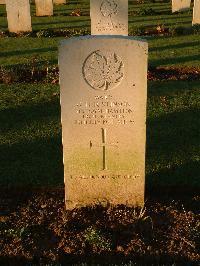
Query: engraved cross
(104, 145)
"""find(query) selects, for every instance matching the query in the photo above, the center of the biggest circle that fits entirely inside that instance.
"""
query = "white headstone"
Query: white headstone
(44, 7)
(59, 2)
(109, 17)
(103, 106)
(18, 15)
(196, 12)
(180, 5)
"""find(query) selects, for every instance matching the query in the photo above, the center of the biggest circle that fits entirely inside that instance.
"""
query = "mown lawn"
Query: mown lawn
(30, 140)
(163, 50)
(31, 150)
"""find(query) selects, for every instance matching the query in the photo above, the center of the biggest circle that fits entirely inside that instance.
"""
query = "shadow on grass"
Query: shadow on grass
(30, 51)
(67, 22)
(172, 88)
(35, 161)
(3, 27)
(174, 60)
(173, 141)
(176, 182)
(73, 27)
(39, 163)
(32, 164)
(138, 19)
(17, 118)
(171, 132)
(72, 2)
(175, 46)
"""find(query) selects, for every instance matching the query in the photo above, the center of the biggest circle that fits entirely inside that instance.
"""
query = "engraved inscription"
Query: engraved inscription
(105, 176)
(103, 145)
(110, 26)
(103, 70)
(104, 110)
(109, 11)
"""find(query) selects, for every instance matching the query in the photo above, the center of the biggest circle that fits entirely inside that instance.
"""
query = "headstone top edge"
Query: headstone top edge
(102, 37)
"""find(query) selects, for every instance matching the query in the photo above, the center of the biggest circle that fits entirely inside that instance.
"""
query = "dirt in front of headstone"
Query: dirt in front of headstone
(35, 228)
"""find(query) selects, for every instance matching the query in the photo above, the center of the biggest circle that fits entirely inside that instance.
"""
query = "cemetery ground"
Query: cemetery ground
(34, 227)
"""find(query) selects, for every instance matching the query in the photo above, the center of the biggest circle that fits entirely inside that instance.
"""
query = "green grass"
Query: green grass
(31, 136)
(174, 51)
(22, 50)
(163, 51)
(173, 130)
(31, 150)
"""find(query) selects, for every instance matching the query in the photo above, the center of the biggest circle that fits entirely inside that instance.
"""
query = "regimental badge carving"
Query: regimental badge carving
(103, 70)
(108, 8)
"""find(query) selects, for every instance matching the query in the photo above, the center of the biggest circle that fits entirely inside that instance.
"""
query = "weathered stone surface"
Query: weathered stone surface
(103, 83)
(196, 12)
(180, 5)
(59, 2)
(2, 2)
(109, 17)
(44, 7)
(18, 15)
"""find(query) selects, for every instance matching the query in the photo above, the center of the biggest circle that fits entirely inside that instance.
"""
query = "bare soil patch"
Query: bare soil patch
(35, 228)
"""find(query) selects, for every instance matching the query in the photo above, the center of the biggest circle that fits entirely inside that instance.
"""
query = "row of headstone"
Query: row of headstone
(57, 2)
(109, 17)
(196, 12)
(103, 108)
(44, 7)
(182, 5)
(19, 14)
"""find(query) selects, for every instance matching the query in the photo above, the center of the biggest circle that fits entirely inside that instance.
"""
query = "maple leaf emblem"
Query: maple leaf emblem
(103, 71)
(108, 8)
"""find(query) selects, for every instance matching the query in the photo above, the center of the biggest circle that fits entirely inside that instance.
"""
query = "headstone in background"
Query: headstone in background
(44, 7)
(109, 17)
(103, 106)
(196, 12)
(2, 2)
(180, 5)
(18, 15)
(59, 2)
